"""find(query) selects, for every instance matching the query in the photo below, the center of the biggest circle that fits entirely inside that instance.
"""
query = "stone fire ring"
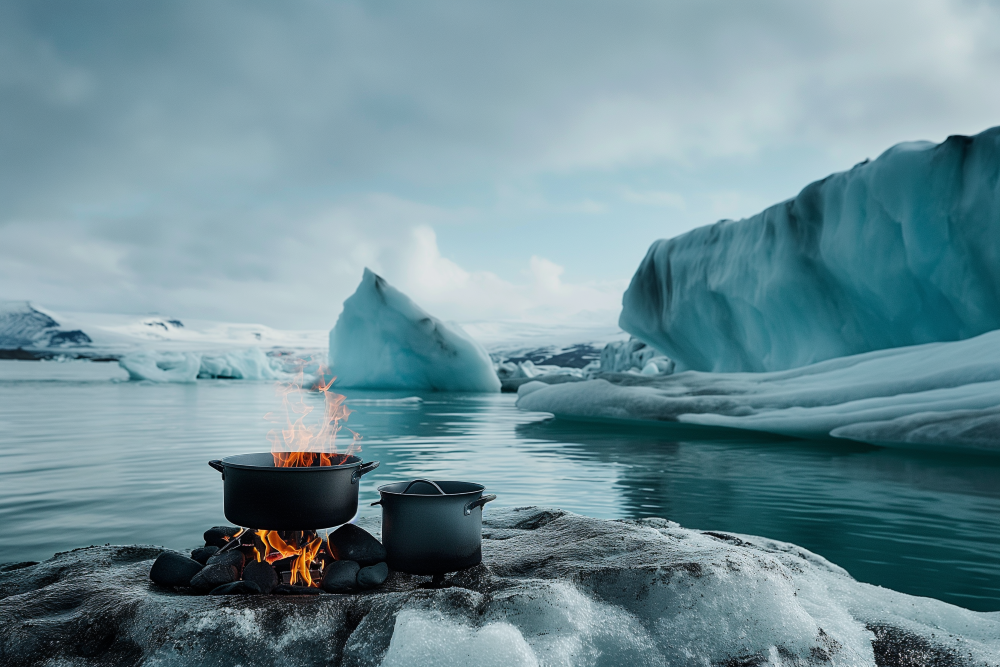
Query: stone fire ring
(554, 588)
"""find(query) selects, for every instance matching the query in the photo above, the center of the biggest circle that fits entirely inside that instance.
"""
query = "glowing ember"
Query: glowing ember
(300, 444)
(304, 546)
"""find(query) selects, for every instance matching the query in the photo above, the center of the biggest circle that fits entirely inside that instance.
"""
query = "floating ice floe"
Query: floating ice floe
(938, 394)
(554, 589)
(898, 251)
(246, 364)
(162, 366)
(383, 340)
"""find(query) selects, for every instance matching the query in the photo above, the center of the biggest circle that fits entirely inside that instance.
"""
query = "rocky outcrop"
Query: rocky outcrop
(554, 589)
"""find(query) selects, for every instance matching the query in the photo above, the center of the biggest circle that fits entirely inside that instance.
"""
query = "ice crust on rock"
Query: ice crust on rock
(383, 340)
(898, 251)
(933, 395)
(555, 589)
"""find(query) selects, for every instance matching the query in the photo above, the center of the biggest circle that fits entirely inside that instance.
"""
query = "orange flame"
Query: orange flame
(277, 548)
(299, 444)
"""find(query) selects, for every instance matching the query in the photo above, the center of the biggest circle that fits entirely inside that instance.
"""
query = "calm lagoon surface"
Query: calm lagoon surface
(88, 460)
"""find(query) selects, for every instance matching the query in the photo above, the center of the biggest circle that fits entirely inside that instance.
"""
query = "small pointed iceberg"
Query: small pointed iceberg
(383, 340)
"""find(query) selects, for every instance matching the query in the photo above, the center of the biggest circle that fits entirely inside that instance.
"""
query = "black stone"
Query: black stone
(341, 576)
(233, 557)
(289, 589)
(373, 575)
(213, 576)
(237, 588)
(173, 569)
(202, 554)
(349, 542)
(215, 537)
(261, 574)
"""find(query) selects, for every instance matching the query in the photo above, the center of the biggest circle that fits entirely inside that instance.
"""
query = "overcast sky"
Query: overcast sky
(245, 160)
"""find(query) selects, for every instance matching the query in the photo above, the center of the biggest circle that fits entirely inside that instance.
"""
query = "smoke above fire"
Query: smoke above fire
(301, 441)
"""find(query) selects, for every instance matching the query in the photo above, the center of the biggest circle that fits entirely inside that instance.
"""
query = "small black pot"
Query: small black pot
(260, 495)
(432, 527)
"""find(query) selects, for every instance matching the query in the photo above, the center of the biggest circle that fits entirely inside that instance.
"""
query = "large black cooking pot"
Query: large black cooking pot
(432, 527)
(260, 495)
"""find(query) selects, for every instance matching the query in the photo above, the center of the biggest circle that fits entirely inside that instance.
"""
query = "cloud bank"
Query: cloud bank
(244, 160)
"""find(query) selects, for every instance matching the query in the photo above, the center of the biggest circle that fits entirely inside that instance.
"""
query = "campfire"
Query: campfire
(241, 561)
(279, 501)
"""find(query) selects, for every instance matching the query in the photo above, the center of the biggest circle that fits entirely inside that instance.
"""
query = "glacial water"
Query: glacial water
(85, 460)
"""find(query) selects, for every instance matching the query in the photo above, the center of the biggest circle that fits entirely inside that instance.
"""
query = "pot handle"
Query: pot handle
(217, 464)
(363, 469)
(425, 481)
(478, 503)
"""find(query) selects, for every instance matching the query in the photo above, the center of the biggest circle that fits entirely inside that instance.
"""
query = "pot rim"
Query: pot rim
(229, 463)
(481, 488)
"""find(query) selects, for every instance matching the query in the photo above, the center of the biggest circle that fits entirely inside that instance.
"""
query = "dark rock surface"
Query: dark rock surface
(173, 569)
(352, 542)
(237, 588)
(202, 554)
(261, 574)
(292, 589)
(373, 575)
(212, 576)
(217, 536)
(341, 576)
(10, 567)
(554, 589)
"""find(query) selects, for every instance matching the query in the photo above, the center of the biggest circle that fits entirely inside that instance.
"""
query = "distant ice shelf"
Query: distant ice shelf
(898, 251)
(40, 332)
(933, 395)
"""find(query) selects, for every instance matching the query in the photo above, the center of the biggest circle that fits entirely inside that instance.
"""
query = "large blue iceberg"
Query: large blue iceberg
(902, 250)
(383, 340)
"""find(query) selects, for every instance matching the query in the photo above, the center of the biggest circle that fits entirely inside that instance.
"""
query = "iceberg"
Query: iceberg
(932, 395)
(898, 251)
(383, 340)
